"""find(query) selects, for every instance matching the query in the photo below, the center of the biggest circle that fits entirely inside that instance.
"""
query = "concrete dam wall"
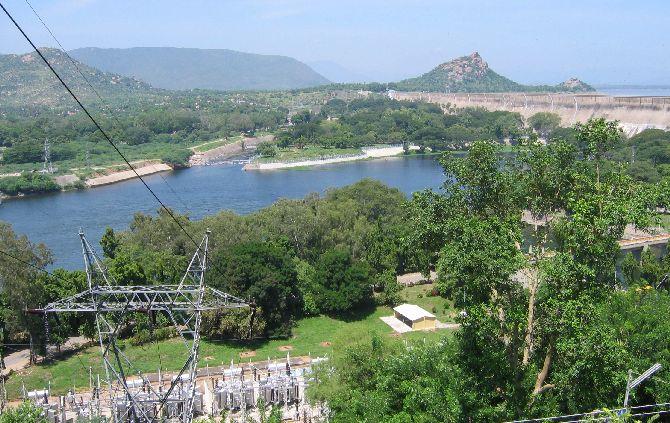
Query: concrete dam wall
(634, 113)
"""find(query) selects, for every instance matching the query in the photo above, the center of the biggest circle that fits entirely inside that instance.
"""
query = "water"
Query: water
(55, 219)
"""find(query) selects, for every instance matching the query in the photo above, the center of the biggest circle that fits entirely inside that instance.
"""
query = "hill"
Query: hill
(472, 74)
(190, 68)
(26, 82)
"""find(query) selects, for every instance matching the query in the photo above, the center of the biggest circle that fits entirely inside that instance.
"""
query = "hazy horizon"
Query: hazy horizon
(617, 41)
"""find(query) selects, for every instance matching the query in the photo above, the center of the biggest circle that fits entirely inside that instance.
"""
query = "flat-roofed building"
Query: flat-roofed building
(414, 316)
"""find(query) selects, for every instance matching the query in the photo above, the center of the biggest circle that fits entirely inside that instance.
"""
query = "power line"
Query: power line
(88, 82)
(594, 415)
(107, 137)
(97, 125)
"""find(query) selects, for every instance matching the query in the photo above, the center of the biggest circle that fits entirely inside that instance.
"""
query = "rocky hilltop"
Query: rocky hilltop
(575, 85)
(472, 74)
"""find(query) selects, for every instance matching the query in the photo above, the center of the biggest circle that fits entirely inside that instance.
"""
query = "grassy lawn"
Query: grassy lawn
(309, 337)
(309, 153)
(441, 307)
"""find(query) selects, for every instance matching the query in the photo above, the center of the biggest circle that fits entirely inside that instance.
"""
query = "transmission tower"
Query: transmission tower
(112, 306)
(47, 167)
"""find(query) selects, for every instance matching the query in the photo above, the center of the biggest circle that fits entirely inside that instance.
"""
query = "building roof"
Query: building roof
(412, 312)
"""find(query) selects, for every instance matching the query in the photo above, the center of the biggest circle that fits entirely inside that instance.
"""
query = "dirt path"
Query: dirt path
(21, 359)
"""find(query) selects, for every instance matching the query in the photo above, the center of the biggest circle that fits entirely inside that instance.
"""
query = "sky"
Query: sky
(601, 42)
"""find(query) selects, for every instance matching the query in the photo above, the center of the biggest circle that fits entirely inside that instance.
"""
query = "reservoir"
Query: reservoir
(54, 219)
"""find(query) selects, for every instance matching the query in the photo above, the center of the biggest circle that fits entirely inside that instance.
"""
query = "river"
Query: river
(55, 219)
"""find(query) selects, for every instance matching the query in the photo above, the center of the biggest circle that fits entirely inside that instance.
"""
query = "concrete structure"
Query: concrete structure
(414, 316)
(635, 114)
(638, 239)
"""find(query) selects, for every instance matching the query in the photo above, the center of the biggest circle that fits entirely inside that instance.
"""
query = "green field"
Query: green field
(287, 155)
(309, 337)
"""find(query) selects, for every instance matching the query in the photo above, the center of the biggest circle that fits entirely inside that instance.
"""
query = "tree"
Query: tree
(342, 285)
(379, 381)
(22, 284)
(529, 335)
(109, 243)
(265, 274)
(266, 149)
(544, 123)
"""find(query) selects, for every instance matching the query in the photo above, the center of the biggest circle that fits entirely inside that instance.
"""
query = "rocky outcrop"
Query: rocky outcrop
(471, 74)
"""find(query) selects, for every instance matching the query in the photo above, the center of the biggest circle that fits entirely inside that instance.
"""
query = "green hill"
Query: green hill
(472, 74)
(26, 82)
(190, 68)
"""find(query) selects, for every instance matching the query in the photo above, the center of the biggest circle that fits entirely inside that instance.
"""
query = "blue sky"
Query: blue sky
(613, 41)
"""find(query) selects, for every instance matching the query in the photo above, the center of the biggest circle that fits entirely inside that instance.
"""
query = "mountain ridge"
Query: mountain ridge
(191, 68)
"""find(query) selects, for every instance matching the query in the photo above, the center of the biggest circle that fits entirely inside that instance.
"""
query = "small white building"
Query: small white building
(414, 316)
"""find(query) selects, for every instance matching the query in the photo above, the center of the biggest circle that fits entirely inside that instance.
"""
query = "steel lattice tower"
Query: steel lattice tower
(112, 304)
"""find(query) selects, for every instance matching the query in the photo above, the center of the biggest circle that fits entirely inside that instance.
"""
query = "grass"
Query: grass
(309, 153)
(442, 308)
(309, 336)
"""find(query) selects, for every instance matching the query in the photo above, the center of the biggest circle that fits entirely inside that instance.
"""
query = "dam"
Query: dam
(635, 114)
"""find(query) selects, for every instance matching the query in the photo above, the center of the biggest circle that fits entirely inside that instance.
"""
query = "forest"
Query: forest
(546, 332)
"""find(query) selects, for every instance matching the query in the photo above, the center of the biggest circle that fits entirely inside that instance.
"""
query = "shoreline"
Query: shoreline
(125, 175)
(366, 154)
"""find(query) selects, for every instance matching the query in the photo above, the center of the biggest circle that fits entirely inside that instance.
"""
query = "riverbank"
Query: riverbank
(367, 153)
(125, 175)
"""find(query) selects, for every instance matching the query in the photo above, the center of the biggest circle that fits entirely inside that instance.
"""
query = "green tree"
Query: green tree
(266, 149)
(388, 383)
(544, 123)
(342, 284)
(265, 274)
(22, 284)
(109, 243)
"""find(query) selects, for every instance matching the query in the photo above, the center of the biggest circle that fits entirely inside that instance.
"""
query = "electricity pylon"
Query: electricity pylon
(47, 166)
(112, 304)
